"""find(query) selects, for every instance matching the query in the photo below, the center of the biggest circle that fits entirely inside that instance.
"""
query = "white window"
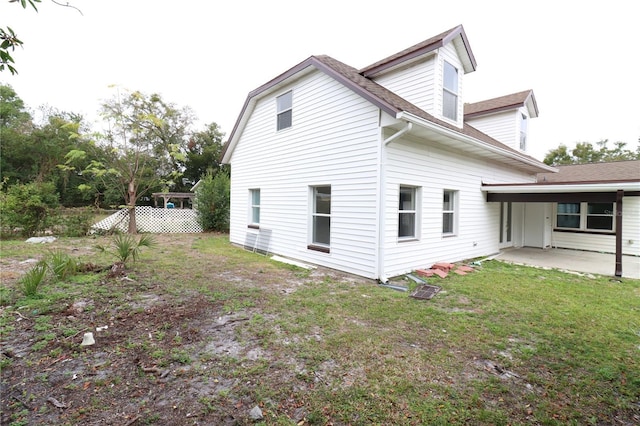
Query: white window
(407, 219)
(523, 132)
(596, 217)
(449, 208)
(254, 214)
(450, 91)
(321, 217)
(284, 108)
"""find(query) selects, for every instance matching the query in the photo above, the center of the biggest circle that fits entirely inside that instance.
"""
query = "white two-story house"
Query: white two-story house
(381, 170)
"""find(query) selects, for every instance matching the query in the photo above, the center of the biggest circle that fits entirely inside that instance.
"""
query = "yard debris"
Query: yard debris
(425, 292)
(40, 240)
(88, 340)
(442, 270)
(256, 413)
(56, 403)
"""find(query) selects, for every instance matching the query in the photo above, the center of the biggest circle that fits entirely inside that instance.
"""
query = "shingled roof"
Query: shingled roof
(502, 103)
(617, 171)
(421, 49)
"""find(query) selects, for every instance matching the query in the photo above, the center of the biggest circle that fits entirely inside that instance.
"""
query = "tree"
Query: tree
(144, 143)
(585, 152)
(213, 200)
(9, 40)
(203, 153)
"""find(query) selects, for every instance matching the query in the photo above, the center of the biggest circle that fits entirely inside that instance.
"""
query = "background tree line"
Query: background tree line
(148, 145)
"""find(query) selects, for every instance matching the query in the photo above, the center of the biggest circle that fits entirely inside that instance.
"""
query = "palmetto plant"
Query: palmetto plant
(62, 265)
(126, 247)
(33, 278)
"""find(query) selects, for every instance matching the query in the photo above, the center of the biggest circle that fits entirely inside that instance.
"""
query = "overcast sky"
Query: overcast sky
(579, 57)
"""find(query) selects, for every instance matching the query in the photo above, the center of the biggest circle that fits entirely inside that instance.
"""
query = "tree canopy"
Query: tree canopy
(9, 40)
(586, 152)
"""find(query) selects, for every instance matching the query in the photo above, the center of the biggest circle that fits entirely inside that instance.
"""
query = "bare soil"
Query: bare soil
(161, 356)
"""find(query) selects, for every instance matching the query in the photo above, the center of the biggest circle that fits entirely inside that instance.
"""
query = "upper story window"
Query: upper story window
(523, 132)
(285, 110)
(450, 91)
(254, 216)
(407, 213)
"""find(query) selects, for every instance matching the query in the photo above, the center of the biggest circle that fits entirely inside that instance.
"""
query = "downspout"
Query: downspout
(399, 133)
(382, 164)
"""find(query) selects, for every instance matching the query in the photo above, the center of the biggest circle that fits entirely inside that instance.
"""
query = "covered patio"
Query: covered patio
(572, 260)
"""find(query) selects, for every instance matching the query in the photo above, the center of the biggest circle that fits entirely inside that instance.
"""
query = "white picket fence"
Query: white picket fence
(149, 219)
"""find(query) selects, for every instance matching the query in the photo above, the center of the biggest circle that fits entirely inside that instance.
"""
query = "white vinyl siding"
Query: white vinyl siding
(502, 126)
(415, 83)
(334, 142)
(432, 168)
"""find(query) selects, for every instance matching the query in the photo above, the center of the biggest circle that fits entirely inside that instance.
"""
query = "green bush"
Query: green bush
(33, 278)
(74, 222)
(126, 247)
(26, 208)
(212, 202)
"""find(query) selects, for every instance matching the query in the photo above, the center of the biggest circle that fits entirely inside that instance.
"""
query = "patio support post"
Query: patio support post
(619, 196)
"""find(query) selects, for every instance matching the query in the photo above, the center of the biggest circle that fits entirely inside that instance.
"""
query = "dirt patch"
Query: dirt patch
(161, 355)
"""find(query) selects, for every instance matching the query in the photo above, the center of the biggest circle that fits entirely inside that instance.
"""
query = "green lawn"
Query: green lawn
(503, 345)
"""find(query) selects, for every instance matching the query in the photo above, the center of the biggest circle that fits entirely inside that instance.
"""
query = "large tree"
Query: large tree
(202, 154)
(144, 142)
(585, 152)
(9, 40)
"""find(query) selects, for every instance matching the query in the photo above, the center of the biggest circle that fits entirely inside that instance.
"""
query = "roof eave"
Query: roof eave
(530, 162)
(561, 188)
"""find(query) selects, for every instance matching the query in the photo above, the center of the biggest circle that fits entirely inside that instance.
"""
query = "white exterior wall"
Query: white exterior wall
(415, 83)
(502, 126)
(433, 170)
(607, 243)
(334, 141)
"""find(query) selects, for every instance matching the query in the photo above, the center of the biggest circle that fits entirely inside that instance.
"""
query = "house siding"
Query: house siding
(607, 243)
(434, 169)
(414, 83)
(333, 141)
(500, 126)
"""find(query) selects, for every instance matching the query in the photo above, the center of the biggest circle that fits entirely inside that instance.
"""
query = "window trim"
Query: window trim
(315, 245)
(453, 211)
(447, 90)
(584, 214)
(524, 123)
(252, 206)
(415, 191)
(281, 112)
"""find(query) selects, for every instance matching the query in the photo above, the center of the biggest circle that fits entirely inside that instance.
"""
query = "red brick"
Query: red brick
(443, 266)
(465, 268)
(459, 272)
(425, 272)
(440, 273)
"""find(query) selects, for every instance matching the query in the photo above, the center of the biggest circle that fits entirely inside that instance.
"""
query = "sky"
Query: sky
(580, 58)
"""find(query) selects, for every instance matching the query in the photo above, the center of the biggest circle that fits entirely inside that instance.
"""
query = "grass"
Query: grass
(503, 345)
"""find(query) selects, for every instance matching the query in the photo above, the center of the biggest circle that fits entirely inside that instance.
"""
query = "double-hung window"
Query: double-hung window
(254, 211)
(449, 208)
(284, 104)
(595, 217)
(321, 218)
(450, 91)
(407, 213)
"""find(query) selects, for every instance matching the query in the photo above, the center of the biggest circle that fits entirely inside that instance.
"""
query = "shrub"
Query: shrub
(126, 247)
(30, 282)
(74, 222)
(26, 208)
(212, 202)
(62, 265)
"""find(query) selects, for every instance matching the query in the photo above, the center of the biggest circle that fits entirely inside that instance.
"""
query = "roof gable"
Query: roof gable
(503, 103)
(456, 35)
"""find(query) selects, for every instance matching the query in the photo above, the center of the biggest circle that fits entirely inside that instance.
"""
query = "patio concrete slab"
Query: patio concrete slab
(572, 260)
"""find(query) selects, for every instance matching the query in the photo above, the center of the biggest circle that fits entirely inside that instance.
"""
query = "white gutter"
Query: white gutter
(557, 188)
(410, 118)
(399, 133)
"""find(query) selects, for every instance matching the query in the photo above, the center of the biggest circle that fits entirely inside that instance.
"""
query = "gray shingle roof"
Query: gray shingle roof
(501, 103)
(617, 171)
